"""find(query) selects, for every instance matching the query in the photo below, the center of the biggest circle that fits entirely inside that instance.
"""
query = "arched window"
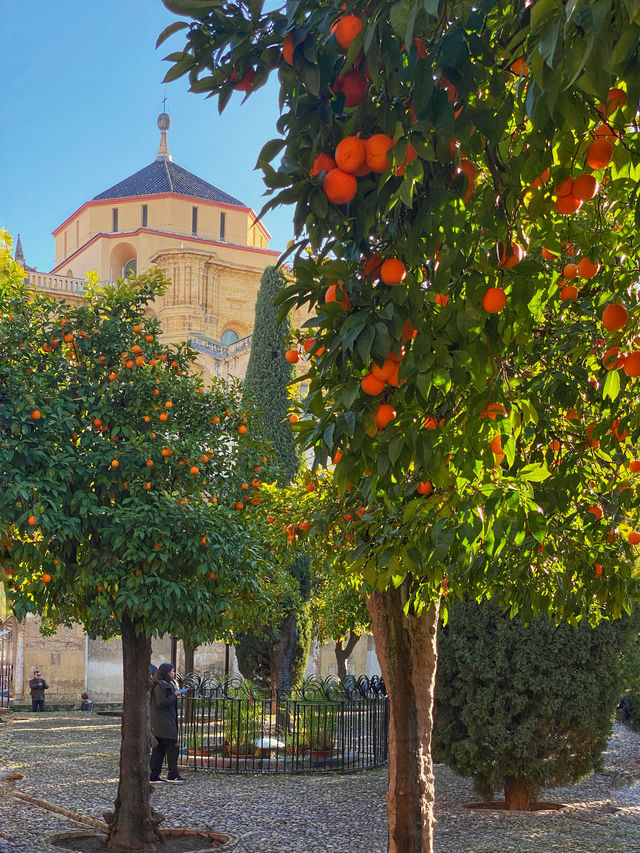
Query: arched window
(130, 268)
(229, 337)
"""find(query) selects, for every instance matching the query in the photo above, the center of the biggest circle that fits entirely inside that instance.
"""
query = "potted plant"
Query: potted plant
(242, 727)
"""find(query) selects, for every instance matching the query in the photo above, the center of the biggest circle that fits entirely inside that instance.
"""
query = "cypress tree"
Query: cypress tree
(268, 374)
(276, 657)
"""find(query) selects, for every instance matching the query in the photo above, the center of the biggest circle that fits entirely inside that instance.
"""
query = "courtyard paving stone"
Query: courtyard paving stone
(71, 761)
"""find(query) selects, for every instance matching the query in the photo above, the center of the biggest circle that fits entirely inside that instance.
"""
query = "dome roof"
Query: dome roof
(165, 176)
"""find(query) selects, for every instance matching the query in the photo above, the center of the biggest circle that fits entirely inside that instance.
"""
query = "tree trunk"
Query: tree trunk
(407, 652)
(342, 654)
(282, 653)
(133, 823)
(189, 655)
(517, 795)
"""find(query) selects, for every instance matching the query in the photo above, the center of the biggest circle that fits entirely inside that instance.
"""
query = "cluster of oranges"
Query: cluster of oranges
(353, 158)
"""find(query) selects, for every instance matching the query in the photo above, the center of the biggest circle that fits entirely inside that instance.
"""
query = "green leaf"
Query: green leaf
(535, 472)
(611, 386)
(170, 30)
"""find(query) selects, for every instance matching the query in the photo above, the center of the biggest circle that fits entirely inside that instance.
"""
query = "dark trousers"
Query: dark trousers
(168, 747)
(37, 704)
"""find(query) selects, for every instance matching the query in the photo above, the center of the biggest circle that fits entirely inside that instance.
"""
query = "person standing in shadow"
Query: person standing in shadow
(164, 725)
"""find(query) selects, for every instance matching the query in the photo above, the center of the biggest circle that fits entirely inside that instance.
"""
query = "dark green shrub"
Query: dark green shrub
(522, 707)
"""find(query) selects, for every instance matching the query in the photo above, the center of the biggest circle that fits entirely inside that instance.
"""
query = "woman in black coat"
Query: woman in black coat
(164, 725)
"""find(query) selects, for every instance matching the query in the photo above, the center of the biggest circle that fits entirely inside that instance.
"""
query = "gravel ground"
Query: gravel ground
(71, 761)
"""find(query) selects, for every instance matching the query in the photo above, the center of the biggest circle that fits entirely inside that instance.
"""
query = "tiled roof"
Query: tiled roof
(164, 176)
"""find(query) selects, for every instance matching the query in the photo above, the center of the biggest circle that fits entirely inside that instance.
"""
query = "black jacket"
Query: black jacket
(164, 711)
(37, 687)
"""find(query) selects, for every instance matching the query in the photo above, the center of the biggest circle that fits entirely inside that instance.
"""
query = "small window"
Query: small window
(114, 223)
(223, 218)
(194, 220)
(145, 215)
(229, 337)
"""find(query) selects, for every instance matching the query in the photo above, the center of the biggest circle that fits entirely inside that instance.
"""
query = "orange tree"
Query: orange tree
(123, 498)
(308, 517)
(465, 175)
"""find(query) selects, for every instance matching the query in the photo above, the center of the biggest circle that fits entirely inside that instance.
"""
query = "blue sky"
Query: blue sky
(82, 88)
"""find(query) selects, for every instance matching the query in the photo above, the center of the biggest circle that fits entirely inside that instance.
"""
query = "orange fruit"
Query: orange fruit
(567, 204)
(194, 470)
(509, 254)
(293, 418)
(585, 187)
(322, 163)
(246, 82)
(337, 456)
(496, 444)
(634, 537)
(541, 180)
(350, 153)
(549, 256)
(384, 415)
(346, 29)
(587, 269)
(614, 317)
(292, 355)
(45, 578)
(467, 168)
(337, 293)
(114, 463)
(384, 371)
(163, 416)
(377, 147)
(371, 267)
(32, 520)
(565, 188)
(166, 451)
(339, 187)
(168, 405)
(149, 463)
(424, 487)
(371, 385)
(519, 67)
(113, 376)
(353, 86)
(494, 300)
(442, 299)
(598, 569)
(606, 131)
(288, 48)
(35, 415)
(393, 271)
(410, 156)
(596, 511)
(599, 153)
(612, 359)
(450, 89)
(631, 364)
(570, 271)
(242, 429)
(615, 98)
(568, 293)
(148, 338)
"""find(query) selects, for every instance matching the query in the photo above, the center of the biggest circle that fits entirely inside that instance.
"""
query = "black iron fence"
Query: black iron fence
(323, 725)
(6, 670)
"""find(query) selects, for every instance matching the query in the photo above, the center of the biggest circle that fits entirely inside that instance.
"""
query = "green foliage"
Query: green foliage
(453, 97)
(254, 648)
(269, 374)
(121, 473)
(533, 702)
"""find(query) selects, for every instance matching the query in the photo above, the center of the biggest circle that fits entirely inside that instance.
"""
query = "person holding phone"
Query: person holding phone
(37, 686)
(164, 725)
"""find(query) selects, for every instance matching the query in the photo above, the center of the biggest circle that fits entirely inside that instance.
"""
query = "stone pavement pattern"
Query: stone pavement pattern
(71, 760)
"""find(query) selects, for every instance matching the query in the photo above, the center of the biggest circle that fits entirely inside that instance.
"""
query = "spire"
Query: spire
(164, 123)
(19, 255)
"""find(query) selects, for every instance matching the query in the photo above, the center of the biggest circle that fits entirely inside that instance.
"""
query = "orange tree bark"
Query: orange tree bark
(407, 651)
(133, 825)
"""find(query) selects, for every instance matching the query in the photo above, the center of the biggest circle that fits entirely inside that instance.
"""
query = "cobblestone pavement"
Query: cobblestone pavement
(71, 761)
